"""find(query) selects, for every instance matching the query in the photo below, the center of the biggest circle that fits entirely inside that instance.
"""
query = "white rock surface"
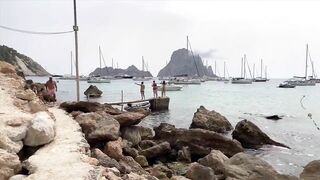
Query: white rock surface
(41, 130)
(64, 157)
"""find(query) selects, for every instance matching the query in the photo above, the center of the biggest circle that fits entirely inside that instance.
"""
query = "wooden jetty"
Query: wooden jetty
(156, 104)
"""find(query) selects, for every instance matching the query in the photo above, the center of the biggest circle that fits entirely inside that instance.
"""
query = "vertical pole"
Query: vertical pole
(76, 28)
(215, 67)
(224, 70)
(254, 70)
(112, 63)
(306, 73)
(241, 67)
(71, 70)
(261, 68)
(100, 61)
(187, 44)
(121, 100)
(117, 65)
(244, 66)
(142, 64)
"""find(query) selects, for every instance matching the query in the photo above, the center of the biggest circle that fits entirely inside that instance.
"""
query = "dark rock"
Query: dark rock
(85, 106)
(250, 136)
(135, 134)
(131, 165)
(129, 118)
(311, 171)
(145, 144)
(74, 114)
(106, 161)
(199, 141)
(142, 160)
(128, 151)
(210, 120)
(93, 91)
(160, 171)
(99, 126)
(197, 171)
(273, 117)
(179, 168)
(184, 155)
(156, 151)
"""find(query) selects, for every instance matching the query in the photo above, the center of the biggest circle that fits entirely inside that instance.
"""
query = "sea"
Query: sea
(298, 106)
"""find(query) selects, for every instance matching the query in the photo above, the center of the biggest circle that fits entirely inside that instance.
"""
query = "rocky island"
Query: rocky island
(130, 71)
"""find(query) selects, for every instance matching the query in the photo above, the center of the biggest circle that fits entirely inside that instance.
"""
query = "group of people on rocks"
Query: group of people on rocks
(154, 89)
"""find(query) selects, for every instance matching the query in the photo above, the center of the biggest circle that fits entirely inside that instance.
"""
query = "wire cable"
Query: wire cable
(34, 32)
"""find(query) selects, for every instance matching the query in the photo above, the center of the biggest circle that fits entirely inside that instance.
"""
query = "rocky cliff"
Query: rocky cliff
(131, 71)
(26, 64)
(182, 62)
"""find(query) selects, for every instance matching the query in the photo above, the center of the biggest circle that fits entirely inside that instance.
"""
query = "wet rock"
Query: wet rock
(93, 91)
(199, 141)
(114, 149)
(86, 107)
(130, 152)
(27, 95)
(129, 118)
(7, 144)
(215, 160)
(41, 130)
(156, 151)
(106, 161)
(210, 120)
(9, 164)
(145, 144)
(131, 165)
(197, 171)
(251, 136)
(244, 166)
(99, 126)
(135, 134)
(273, 117)
(184, 155)
(311, 171)
(142, 160)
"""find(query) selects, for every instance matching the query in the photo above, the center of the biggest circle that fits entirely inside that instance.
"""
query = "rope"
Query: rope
(34, 32)
(309, 114)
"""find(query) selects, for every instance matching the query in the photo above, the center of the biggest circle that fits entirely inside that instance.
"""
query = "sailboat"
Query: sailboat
(223, 79)
(261, 79)
(99, 78)
(242, 79)
(302, 81)
(142, 78)
(71, 76)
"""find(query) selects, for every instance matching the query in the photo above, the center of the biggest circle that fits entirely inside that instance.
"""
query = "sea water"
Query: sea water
(235, 102)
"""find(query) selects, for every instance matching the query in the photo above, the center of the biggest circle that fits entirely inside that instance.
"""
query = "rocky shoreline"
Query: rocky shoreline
(88, 140)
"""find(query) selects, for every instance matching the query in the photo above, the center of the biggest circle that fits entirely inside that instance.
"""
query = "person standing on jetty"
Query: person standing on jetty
(163, 89)
(155, 89)
(52, 88)
(142, 87)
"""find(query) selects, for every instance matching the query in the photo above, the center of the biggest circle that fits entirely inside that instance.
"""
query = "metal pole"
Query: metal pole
(122, 100)
(306, 73)
(71, 73)
(76, 28)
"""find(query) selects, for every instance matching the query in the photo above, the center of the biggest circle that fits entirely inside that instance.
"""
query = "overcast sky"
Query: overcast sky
(276, 31)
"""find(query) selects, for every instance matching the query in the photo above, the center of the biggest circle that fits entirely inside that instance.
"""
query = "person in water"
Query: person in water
(163, 89)
(142, 87)
(155, 89)
(52, 88)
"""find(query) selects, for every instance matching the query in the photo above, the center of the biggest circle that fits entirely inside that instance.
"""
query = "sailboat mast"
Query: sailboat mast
(306, 73)
(187, 44)
(241, 67)
(244, 66)
(100, 60)
(71, 65)
(261, 67)
(266, 68)
(215, 67)
(224, 70)
(142, 64)
(112, 63)
(254, 70)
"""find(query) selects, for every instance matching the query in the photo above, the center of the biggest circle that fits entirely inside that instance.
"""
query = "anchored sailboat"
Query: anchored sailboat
(242, 79)
(261, 79)
(142, 78)
(99, 78)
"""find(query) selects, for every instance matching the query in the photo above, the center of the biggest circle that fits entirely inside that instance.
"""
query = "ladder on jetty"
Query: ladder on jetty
(156, 104)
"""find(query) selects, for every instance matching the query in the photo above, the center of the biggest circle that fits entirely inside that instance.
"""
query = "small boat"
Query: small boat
(286, 85)
(98, 80)
(186, 81)
(137, 106)
(172, 87)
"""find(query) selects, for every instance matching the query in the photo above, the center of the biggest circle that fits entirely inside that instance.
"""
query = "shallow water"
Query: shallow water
(236, 102)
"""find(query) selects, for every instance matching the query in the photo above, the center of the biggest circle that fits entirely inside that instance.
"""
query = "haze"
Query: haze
(276, 31)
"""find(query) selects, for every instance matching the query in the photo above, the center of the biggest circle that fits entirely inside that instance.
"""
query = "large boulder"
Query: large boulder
(142, 160)
(129, 118)
(9, 164)
(160, 171)
(184, 155)
(198, 171)
(114, 149)
(41, 130)
(311, 171)
(93, 91)
(131, 165)
(106, 161)
(135, 134)
(86, 107)
(7, 144)
(99, 126)
(210, 120)
(251, 136)
(199, 141)
(27, 95)
(245, 166)
(156, 151)
(215, 160)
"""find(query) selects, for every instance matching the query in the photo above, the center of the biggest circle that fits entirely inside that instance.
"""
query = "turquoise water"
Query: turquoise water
(236, 102)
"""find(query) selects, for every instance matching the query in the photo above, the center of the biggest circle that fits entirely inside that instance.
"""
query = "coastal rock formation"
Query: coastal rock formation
(135, 134)
(93, 91)
(210, 120)
(99, 126)
(183, 63)
(198, 171)
(41, 130)
(251, 136)
(7, 144)
(114, 149)
(215, 160)
(9, 164)
(106, 161)
(156, 150)
(311, 171)
(85, 106)
(28, 66)
(129, 118)
(199, 141)
(130, 71)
